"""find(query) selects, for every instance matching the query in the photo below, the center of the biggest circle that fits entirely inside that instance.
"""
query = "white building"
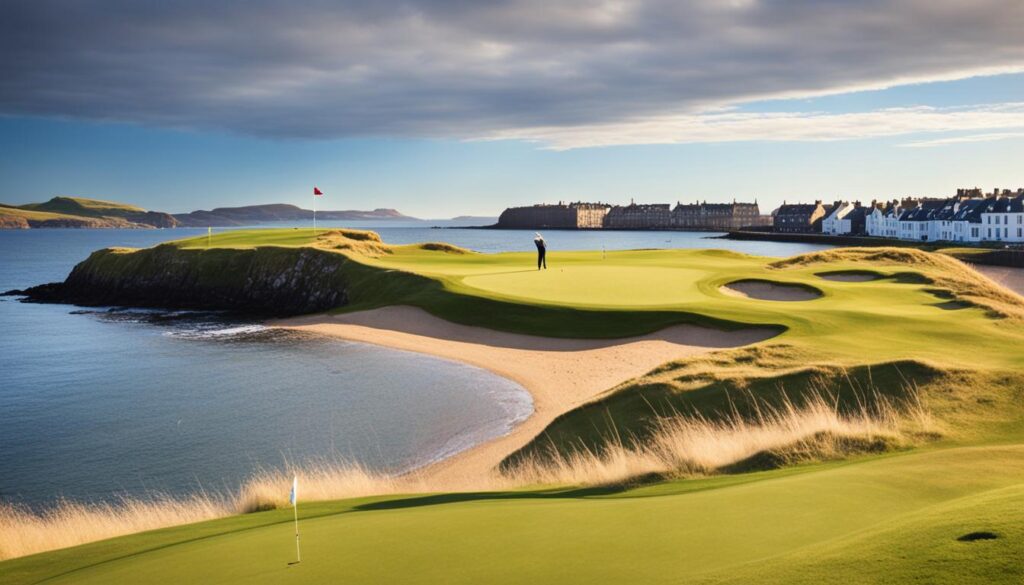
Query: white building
(915, 224)
(883, 220)
(1002, 220)
(834, 223)
(967, 221)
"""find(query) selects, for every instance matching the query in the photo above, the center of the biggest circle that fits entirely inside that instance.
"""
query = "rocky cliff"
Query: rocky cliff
(13, 222)
(268, 281)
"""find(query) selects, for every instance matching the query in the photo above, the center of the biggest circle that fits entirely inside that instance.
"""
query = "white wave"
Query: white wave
(223, 332)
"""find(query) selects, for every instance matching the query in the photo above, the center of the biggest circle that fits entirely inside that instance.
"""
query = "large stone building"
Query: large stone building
(577, 215)
(799, 218)
(634, 216)
(718, 216)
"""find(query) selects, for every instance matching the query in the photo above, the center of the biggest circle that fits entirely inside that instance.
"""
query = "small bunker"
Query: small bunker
(850, 276)
(767, 290)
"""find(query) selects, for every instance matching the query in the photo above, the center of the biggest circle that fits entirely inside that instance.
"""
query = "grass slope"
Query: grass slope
(891, 518)
(81, 206)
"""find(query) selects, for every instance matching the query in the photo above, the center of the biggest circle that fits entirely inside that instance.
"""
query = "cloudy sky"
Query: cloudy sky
(441, 108)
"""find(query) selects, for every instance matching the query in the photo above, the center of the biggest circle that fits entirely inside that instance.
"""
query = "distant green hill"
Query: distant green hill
(79, 212)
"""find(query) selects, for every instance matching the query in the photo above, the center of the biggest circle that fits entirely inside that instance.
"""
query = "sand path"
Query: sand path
(560, 374)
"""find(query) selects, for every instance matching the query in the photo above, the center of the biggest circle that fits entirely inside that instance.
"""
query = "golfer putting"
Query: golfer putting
(542, 250)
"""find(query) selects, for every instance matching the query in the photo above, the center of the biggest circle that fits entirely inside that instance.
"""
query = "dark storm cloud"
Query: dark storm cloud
(467, 68)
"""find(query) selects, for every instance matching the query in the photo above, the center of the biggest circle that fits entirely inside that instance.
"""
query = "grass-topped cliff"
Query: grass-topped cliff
(902, 327)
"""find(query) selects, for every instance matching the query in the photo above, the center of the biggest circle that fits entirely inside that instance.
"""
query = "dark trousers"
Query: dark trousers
(542, 259)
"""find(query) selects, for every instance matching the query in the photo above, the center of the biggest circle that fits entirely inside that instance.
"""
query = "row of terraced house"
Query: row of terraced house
(702, 216)
(968, 216)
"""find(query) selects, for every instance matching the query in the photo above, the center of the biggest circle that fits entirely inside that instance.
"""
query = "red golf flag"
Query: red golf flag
(317, 191)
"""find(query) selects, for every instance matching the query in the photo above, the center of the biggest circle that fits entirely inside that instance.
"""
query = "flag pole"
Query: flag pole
(298, 553)
(294, 498)
(314, 211)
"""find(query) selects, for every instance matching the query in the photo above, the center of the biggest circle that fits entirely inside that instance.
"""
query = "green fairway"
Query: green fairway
(925, 328)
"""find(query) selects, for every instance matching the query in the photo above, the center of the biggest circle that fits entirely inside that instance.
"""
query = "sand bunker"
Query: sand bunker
(766, 290)
(561, 374)
(850, 276)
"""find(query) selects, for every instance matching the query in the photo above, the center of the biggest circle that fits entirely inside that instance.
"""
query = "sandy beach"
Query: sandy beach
(560, 374)
(1011, 278)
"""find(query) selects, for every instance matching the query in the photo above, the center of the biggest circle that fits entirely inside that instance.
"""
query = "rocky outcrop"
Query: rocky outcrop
(13, 222)
(266, 281)
(157, 219)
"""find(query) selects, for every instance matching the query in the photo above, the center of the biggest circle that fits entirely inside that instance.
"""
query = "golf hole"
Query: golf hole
(980, 535)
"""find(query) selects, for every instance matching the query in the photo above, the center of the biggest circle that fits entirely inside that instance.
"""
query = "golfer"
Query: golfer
(542, 250)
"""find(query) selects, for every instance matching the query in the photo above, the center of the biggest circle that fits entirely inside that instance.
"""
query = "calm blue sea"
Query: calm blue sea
(95, 404)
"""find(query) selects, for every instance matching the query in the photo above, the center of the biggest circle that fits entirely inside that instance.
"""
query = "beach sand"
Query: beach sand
(1011, 278)
(560, 374)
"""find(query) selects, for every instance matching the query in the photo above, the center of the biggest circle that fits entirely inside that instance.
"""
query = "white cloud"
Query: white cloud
(991, 137)
(772, 126)
(465, 69)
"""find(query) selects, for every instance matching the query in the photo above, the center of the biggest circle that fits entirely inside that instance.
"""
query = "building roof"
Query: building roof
(970, 210)
(923, 211)
(858, 213)
(836, 209)
(797, 209)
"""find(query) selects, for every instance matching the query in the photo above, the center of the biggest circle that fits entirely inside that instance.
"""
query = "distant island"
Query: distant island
(253, 214)
(79, 212)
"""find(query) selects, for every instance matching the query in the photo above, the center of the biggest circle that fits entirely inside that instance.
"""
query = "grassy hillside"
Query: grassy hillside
(82, 212)
(21, 217)
(84, 207)
(901, 323)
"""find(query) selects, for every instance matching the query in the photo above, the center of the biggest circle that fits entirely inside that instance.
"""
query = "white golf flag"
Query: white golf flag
(295, 491)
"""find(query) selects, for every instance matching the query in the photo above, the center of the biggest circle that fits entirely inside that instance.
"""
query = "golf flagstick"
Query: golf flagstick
(316, 192)
(295, 509)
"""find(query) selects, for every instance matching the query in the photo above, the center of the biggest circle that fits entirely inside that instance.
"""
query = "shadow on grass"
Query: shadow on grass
(455, 498)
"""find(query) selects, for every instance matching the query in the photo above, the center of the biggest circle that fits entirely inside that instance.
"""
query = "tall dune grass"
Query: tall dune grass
(23, 532)
(681, 446)
(686, 446)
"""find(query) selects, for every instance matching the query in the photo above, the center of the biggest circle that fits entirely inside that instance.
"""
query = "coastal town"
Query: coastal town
(971, 216)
